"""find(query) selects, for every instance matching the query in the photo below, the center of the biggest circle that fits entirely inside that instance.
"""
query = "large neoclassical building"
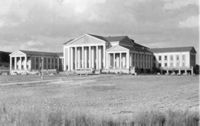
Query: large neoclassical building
(110, 54)
(113, 54)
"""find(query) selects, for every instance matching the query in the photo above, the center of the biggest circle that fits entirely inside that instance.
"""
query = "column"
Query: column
(97, 57)
(92, 51)
(127, 59)
(76, 56)
(20, 63)
(90, 58)
(68, 59)
(114, 61)
(25, 62)
(71, 58)
(85, 58)
(82, 59)
(104, 57)
(120, 61)
(10, 63)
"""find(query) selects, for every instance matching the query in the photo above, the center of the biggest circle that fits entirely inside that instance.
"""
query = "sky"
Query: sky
(46, 24)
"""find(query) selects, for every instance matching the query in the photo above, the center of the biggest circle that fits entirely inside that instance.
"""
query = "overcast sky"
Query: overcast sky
(47, 24)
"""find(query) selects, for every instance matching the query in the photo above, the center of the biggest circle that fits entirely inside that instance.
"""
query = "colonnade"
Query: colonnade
(83, 57)
(20, 63)
(122, 60)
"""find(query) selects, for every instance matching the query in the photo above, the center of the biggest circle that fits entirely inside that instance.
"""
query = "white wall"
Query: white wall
(174, 62)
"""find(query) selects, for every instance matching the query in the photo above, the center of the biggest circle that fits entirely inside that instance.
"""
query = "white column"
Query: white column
(104, 57)
(71, 58)
(85, 57)
(97, 58)
(10, 63)
(20, 62)
(90, 58)
(127, 58)
(114, 61)
(120, 62)
(82, 59)
(68, 59)
(76, 56)
(25, 62)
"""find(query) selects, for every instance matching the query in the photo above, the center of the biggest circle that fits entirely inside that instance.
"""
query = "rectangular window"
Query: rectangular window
(183, 57)
(171, 64)
(159, 64)
(165, 64)
(177, 64)
(171, 57)
(159, 58)
(177, 57)
(165, 57)
(183, 64)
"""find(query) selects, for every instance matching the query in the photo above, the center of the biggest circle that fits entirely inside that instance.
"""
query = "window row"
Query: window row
(171, 57)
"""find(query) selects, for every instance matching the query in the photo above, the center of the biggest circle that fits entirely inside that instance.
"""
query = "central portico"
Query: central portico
(116, 53)
(86, 56)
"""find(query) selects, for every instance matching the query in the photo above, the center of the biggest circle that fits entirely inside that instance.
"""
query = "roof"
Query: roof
(117, 48)
(109, 38)
(68, 41)
(40, 53)
(173, 49)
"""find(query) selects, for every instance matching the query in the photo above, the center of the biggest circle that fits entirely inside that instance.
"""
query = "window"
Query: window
(183, 57)
(177, 64)
(177, 57)
(159, 64)
(159, 58)
(171, 57)
(183, 64)
(165, 57)
(165, 64)
(171, 64)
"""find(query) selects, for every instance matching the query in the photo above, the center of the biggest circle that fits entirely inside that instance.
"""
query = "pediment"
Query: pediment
(86, 40)
(117, 48)
(17, 53)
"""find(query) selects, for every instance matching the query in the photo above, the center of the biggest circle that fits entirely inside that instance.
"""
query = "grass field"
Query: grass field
(102, 95)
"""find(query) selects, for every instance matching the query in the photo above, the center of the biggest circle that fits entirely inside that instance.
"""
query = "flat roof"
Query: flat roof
(174, 49)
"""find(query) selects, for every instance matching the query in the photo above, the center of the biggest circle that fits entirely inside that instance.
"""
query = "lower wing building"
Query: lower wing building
(24, 61)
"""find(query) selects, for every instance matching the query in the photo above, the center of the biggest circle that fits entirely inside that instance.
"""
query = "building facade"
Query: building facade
(22, 61)
(108, 54)
(179, 59)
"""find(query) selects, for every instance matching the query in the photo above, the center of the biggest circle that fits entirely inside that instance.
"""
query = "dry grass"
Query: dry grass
(58, 118)
(96, 98)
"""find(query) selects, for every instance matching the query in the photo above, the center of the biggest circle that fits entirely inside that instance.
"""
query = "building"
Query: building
(108, 54)
(23, 61)
(179, 60)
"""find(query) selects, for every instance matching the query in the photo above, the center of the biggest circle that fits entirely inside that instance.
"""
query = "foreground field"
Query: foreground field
(27, 98)
(105, 94)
